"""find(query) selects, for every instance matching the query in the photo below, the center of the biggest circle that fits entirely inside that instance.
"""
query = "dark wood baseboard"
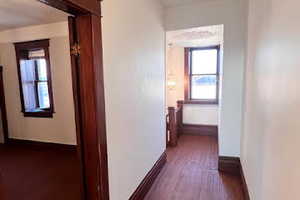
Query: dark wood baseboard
(147, 182)
(232, 165)
(37, 144)
(229, 165)
(244, 184)
(192, 129)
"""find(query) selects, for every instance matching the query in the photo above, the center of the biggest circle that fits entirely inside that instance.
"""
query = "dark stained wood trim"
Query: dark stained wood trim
(172, 126)
(97, 52)
(193, 129)
(186, 73)
(76, 7)
(244, 184)
(198, 102)
(179, 116)
(90, 94)
(3, 106)
(147, 182)
(75, 86)
(34, 45)
(187, 76)
(231, 165)
(38, 144)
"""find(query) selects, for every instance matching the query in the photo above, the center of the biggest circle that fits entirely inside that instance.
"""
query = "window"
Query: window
(35, 78)
(202, 75)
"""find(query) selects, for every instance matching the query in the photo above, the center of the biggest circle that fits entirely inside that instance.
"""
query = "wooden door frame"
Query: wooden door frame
(87, 75)
(3, 107)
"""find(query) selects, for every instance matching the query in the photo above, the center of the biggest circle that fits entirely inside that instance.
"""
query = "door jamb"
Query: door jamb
(90, 92)
(3, 107)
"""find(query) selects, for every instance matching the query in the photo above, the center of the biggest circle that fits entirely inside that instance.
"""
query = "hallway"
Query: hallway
(191, 173)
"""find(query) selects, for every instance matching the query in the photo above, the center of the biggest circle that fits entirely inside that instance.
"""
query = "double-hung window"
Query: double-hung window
(202, 74)
(35, 78)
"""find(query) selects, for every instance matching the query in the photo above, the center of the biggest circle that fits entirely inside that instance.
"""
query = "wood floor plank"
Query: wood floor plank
(35, 173)
(191, 173)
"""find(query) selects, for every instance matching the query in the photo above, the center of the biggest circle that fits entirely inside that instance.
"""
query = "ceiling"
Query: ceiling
(21, 13)
(171, 3)
(196, 37)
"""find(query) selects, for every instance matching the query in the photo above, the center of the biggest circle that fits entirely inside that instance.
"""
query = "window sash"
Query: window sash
(190, 75)
(35, 50)
(192, 85)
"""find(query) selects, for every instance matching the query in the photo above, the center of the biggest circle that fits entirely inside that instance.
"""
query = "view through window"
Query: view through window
(204, 74)
(34, 77)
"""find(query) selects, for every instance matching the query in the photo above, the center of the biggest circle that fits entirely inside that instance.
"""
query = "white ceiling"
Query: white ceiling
(21, 13)
(171, 3)
(196, 37)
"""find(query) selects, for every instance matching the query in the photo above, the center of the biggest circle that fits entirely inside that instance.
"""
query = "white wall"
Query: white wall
(60, 128)
(270, 151)
(192, 114)
(175, 67)
(59, 29)
(134, 76)
(232, 14)
(200, 114)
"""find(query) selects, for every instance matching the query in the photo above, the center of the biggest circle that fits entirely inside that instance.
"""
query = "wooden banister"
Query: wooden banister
(174, 124)
(179, 115)
(172, 127)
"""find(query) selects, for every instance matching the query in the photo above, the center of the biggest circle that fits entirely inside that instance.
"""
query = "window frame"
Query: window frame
(29, 46)
(188, 75)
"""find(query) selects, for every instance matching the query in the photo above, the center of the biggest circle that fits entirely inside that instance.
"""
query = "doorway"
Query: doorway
(194, 74)
(84, 29)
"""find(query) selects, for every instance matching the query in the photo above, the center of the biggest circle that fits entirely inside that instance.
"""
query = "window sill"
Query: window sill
(38, 114)
(202, 102)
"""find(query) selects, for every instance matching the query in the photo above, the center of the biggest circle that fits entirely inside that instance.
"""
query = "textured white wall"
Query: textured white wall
(232, 14)
(59, 129)
(134, 76)
(270, 147)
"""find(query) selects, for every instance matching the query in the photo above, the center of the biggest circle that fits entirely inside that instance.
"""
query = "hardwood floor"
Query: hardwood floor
(191, 173)
(36, 173)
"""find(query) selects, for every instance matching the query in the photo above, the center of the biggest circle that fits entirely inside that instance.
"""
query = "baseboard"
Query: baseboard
(244, 184)
(232, 165)
(148, 181)
(192, 129)
(37, 144)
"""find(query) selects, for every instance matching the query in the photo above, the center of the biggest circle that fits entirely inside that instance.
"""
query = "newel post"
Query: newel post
(172, 126)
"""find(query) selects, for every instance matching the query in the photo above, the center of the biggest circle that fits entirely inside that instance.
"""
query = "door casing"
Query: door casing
(88, 89)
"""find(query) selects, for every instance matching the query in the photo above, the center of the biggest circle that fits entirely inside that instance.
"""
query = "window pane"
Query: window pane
(27, 70)
(42, 69)
(204, 61)
(29, 96)
(204, 87)
(28, 78)
(43, 95)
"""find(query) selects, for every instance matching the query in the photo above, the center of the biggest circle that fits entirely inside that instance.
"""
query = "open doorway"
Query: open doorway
(193, 74)
(53, 91)
(39, 151)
